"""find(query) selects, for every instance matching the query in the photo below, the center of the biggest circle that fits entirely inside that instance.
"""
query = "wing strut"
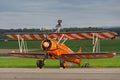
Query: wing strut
(22, 45)
(96, 43)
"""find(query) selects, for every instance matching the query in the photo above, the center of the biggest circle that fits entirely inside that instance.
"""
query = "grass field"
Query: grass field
(30, 63)
(106, 45)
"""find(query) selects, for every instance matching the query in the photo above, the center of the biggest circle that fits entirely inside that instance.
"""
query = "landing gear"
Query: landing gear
(62, 64)
(86, 65)
(40, 63)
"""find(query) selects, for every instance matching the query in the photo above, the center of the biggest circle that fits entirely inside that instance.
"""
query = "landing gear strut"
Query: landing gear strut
(40, 63)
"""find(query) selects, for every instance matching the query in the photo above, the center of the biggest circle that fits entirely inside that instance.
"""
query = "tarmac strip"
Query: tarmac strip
(60, 74)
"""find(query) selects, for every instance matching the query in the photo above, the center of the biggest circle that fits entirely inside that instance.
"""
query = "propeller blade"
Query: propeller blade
(45, 55)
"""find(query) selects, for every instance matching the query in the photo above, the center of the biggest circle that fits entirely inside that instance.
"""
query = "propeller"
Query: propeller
(45, 46)
(45, 55)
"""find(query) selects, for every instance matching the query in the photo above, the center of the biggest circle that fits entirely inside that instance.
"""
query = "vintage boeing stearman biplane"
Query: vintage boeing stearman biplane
(53, 46)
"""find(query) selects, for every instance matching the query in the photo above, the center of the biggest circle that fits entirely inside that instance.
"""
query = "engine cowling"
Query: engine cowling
(49, 44)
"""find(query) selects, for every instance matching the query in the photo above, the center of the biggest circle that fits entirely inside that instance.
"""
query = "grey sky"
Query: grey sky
(45, 13)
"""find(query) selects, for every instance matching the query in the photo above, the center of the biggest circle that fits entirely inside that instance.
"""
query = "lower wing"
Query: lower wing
(87, 55)
(28, 55)
(66, 57)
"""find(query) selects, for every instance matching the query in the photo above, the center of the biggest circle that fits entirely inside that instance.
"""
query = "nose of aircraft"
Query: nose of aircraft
(46, 44)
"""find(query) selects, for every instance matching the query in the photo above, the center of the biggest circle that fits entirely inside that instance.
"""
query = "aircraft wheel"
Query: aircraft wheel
(40, 63)
(86, 64)
(62, 64)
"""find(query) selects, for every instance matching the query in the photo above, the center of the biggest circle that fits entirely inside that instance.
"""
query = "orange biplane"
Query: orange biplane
(54, 48)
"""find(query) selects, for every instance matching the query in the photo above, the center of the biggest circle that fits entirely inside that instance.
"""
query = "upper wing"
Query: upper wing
(87, 55)
(28, 55)
(78, 35)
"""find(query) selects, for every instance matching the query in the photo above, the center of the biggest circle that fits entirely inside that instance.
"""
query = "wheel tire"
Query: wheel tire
(40, 63)
(62, 64)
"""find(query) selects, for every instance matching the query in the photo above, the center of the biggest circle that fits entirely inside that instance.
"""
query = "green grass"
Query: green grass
(109, 62)
(17, 62)
(51, 63)
(13, 44)
(25, 62)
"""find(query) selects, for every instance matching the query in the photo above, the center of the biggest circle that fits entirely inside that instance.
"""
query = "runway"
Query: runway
(60, 74)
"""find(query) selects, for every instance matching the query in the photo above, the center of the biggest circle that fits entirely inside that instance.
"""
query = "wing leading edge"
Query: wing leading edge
(28, 55)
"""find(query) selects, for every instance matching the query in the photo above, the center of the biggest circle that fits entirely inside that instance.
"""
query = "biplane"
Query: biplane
(54, 48)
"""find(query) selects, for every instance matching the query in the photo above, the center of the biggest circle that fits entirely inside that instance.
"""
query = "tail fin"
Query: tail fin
(80, 50)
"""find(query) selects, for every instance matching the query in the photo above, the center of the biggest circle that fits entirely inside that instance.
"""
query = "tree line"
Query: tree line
(75, 29)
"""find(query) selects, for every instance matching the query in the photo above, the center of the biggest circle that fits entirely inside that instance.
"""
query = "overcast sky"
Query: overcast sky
(45, 13)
